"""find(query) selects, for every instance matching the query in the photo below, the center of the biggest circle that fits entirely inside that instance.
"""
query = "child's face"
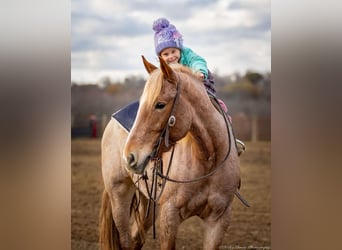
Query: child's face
(170, 55)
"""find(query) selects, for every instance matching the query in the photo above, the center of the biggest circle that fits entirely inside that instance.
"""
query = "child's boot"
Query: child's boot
(241, 147)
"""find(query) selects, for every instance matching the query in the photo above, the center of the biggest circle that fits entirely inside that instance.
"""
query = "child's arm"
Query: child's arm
(197, 63)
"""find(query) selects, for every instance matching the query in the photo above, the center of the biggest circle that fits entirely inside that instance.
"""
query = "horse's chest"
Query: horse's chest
(202, 202)
(192, 203)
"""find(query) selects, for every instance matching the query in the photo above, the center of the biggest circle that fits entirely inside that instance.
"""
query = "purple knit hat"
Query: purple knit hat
(166, 35)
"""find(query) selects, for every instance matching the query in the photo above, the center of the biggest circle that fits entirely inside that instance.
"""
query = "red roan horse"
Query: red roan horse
(179, 160)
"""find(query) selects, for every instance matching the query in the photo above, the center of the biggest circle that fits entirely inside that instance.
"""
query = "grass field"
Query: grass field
(250, 228)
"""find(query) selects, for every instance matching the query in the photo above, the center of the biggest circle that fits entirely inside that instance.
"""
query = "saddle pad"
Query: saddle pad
(126, 115)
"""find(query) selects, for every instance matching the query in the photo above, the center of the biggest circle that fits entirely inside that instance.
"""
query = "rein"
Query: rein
(155, 156)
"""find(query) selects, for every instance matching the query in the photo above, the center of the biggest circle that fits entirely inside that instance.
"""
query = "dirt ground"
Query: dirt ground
(250, 228)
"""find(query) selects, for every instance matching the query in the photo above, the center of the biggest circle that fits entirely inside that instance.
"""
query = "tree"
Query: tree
(253, 77)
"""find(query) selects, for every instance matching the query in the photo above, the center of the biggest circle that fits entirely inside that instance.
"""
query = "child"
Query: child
(169, 45)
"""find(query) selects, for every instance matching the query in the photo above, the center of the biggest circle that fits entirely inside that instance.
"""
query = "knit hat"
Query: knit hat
(166, 35)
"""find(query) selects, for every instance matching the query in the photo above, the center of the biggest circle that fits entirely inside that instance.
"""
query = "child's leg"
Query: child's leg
(209, 84)
(225, 109)
(240, 145)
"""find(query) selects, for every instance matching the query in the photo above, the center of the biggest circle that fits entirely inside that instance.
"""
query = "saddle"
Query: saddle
(126, 115)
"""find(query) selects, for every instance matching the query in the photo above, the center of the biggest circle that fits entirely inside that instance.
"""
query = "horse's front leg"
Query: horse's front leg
(169, 221)
(214, 229)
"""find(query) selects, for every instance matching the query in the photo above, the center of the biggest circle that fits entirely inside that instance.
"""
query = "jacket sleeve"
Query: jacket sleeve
(195, 62)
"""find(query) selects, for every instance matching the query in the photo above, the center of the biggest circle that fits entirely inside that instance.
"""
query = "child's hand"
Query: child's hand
(200, 75)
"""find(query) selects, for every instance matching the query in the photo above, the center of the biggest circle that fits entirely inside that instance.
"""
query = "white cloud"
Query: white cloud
(108, 37)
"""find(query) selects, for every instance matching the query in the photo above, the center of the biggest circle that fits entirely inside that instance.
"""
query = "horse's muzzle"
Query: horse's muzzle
(131, 160)
(132, 164)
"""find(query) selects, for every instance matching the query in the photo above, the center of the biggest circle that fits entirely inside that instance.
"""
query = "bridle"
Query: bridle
(156, 157)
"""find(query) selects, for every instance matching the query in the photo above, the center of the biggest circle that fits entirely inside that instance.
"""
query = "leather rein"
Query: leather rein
(155, 156)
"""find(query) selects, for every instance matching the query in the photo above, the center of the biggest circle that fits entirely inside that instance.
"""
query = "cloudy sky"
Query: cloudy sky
(109, 36)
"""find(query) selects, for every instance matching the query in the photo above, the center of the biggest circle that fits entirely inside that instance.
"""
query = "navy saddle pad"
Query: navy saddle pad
(126, 115)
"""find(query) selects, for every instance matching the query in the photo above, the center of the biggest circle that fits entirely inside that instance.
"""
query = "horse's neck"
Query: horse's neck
(208, 129)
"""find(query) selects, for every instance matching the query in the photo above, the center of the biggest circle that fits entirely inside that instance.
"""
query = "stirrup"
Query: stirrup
(241, 146)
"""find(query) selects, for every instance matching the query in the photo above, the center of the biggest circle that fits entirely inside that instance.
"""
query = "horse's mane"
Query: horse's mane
(181, 68)
(154, 83)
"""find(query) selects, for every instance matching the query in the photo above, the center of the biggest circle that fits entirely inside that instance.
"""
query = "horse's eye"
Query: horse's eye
(160, 105)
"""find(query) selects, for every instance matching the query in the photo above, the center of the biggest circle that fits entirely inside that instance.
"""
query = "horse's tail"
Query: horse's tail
(108, 232)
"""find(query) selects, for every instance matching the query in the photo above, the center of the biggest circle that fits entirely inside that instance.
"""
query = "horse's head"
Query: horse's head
(162, 118)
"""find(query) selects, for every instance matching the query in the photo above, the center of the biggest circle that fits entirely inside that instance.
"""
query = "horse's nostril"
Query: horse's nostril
(131, 160)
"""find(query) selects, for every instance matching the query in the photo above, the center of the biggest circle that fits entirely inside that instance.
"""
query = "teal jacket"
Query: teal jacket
(193, 61)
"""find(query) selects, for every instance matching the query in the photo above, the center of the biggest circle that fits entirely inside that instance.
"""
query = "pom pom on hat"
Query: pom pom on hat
(166, 35)
(160, 24)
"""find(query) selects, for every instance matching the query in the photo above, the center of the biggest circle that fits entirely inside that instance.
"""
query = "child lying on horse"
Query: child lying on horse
(169, 45)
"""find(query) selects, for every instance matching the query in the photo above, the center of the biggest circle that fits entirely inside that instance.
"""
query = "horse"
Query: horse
(179, 160)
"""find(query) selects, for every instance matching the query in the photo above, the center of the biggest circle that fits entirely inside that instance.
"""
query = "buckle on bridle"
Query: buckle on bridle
(172, 121)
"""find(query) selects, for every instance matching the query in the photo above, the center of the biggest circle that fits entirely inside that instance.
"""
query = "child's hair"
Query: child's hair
(166, 35)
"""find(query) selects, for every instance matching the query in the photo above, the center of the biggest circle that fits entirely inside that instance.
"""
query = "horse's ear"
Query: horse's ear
(167, 70)
(148, 66)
